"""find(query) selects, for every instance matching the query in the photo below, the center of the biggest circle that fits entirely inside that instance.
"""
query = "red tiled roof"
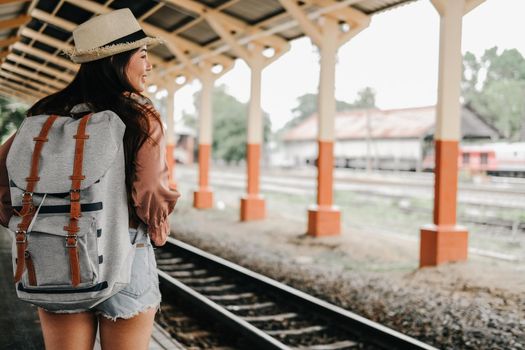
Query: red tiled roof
(394, 123)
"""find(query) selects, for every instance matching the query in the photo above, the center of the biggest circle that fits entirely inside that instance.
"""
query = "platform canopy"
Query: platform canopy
(33, 34)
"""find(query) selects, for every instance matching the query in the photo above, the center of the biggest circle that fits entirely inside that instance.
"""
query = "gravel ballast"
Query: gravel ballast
(479, 304)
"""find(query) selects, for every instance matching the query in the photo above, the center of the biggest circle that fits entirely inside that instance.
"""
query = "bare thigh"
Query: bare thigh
(124, 334)
(68, 331)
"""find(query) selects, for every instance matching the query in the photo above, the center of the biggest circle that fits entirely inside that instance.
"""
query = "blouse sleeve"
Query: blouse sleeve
(6, 210)
(152, 197)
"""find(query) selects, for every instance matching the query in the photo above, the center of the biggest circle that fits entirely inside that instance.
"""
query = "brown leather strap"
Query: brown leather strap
(75, 212)
(31, 274)
(33, 178)
(28, 208)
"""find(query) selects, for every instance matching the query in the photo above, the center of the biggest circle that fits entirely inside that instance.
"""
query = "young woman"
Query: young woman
(112, 50)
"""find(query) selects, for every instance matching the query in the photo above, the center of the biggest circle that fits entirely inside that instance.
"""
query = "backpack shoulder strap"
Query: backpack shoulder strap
(75, 209)
(28, 209)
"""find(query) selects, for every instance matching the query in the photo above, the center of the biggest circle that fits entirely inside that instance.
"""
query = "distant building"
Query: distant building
(397, 139)
(185, 150)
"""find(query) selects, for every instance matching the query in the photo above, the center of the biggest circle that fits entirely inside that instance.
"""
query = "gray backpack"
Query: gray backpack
(71, 247)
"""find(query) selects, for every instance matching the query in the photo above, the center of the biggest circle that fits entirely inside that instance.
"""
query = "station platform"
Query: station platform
(19, 324)
(369, 269)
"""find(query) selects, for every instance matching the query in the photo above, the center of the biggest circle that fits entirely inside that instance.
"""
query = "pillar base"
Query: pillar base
(203, 199)
(253, 208)
(324, 221)
(441, 244)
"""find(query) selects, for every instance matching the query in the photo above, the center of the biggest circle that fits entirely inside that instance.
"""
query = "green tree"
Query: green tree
(307, 105)
(366, 98)
(494, 85)
(11, 116)
(229, 125)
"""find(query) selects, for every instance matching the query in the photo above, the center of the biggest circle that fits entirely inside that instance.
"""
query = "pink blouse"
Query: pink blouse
(152, 198)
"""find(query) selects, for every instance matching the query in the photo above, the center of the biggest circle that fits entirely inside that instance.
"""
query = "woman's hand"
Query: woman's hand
(159, 238)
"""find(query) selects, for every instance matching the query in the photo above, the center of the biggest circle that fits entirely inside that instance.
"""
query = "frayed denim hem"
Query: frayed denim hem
(78, 311)
(131, 315)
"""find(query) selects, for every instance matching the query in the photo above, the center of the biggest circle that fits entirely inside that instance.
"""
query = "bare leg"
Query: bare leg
(124, 334)
(68, 331)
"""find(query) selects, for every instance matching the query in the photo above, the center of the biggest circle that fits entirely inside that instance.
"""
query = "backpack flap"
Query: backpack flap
(105, 130)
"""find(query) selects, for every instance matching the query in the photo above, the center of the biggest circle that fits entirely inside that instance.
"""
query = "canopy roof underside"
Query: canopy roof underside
(33, 34)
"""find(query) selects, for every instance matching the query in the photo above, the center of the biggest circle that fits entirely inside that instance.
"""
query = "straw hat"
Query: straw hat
(107, 35)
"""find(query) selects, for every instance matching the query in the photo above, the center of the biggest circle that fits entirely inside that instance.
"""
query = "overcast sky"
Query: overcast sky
(397, 55)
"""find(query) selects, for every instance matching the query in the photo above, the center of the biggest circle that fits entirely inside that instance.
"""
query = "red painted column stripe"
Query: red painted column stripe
(445, 182)
(253, 155)
(204, 165)
(325, 167)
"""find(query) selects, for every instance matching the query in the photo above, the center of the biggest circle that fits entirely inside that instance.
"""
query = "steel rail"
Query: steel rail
(359, 326)
(228, 319)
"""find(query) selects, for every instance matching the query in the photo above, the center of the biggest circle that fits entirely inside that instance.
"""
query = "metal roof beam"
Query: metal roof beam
(21, 89)
(9, 41)
(17, 95)
(65, 76)
(56, 21)
(31, 34)
(35, 76)
(14, 22)
(305, 23)
(472, 4)
(46, 56)
(340, 11)
(226, 35)
(227, 20)
(30, 84)
(7, 2)
(440, 5)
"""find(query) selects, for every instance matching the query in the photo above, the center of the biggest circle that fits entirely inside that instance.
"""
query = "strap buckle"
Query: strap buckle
(74, 195)
(27, 200)
(23, 233)
(74, 245)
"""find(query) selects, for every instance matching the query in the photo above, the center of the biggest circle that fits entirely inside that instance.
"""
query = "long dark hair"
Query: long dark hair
(103, 85)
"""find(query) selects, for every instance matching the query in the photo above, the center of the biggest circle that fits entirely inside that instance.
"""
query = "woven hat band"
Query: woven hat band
(139, 34)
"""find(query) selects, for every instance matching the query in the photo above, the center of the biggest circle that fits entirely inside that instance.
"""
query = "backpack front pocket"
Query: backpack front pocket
(48, 257)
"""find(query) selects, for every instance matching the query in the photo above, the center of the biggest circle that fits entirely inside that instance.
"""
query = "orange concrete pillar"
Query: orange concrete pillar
(444, 240)
(324, 218)
(252, 204)
(328, 35)
(203, 197)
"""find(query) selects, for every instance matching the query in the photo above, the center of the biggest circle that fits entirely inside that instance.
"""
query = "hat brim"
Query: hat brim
(109, 50)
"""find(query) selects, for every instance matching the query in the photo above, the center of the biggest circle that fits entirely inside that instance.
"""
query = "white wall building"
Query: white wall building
(381, 139)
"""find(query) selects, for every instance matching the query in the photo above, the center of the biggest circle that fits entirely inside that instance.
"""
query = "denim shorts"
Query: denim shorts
(142, 292)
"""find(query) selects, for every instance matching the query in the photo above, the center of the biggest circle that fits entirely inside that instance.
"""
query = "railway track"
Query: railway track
(255, 311)
(483, 197)
(497, 195)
